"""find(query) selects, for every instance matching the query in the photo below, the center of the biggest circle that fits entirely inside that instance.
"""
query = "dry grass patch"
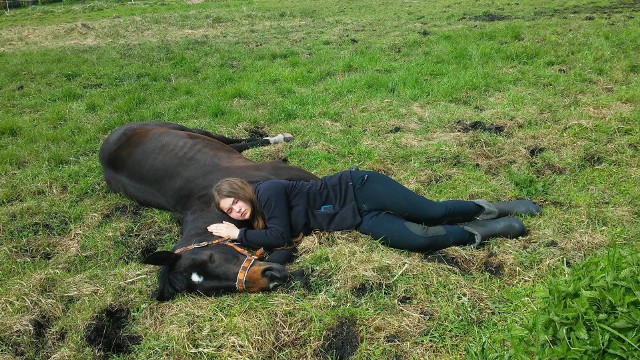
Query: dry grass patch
(120, 31)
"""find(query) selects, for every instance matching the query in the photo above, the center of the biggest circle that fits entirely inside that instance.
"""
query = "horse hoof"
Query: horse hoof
(287, 137)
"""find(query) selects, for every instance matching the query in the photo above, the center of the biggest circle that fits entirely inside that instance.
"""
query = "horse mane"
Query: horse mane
(170, 282)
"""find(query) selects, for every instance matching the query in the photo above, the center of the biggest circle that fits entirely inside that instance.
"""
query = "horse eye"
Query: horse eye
(211, 258)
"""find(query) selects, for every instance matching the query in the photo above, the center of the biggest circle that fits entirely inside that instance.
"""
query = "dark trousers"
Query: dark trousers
(402, 219)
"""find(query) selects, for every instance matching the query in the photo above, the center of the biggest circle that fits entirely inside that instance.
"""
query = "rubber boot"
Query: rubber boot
(505, 208)
(508, 227)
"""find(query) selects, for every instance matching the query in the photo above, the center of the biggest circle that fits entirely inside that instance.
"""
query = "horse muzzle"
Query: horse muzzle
(264, 276)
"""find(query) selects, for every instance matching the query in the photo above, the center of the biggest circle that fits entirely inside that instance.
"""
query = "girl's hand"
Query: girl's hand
(224, 229)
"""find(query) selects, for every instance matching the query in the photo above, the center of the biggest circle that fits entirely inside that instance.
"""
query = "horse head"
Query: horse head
(213, 269)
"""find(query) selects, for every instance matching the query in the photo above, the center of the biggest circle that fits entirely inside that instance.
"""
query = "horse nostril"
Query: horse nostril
(276, 274)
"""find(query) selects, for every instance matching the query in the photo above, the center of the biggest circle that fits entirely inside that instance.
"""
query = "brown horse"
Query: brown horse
(169, 166)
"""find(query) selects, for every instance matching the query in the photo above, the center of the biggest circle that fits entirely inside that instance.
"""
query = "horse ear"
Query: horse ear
(162, 258)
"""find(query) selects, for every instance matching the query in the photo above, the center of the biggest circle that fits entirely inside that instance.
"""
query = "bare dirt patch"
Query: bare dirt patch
(443, 257)
(341, 340)
(257, 131)
(107, 332)
(366, 288)
(466, 262)
(488, 17)
(299, 278)
(469, 126)
(131, 210)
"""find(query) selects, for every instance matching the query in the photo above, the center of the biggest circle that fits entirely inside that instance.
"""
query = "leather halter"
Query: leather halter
(246, 264)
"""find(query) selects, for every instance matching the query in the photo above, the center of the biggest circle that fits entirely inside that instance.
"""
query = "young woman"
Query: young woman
(366, 201)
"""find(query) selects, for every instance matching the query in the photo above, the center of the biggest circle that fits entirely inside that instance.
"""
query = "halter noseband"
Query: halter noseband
(246, 264)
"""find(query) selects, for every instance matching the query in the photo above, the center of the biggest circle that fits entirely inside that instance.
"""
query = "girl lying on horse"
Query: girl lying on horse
(366, 201)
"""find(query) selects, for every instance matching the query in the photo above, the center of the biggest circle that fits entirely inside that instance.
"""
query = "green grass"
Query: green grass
(562, 76)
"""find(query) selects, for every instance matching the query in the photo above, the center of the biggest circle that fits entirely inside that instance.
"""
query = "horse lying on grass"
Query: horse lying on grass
(169, 166)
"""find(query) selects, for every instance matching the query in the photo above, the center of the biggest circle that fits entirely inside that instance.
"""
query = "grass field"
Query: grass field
(455, 99)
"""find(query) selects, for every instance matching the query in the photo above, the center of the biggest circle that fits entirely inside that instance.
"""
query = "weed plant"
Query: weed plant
(456, 100)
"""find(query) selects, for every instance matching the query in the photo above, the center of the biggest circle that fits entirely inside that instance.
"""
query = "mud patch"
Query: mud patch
(466, 126)
(40, 325)
(593, 159)
(492, 265)
(257, 132)
(301, 279)
(35, 250)
(133, 210)
(367, 288)
(442, 257)
(341, 341)
(536, 150)
(549, 169)
(392, 339)
(488, 17)
(107, 331)
(621, 7)
(551, 243)
(14, 348)
(56, 225)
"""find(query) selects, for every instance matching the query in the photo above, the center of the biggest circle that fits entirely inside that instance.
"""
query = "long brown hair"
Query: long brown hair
(241, 190)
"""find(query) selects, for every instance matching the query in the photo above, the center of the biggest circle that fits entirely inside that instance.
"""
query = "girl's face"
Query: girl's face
(235, 208)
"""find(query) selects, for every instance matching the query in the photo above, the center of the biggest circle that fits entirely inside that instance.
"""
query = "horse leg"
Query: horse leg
(250, 143)
(238, 145)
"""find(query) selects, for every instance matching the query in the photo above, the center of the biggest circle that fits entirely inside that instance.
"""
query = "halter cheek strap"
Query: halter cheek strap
(242, 274)
(241, 279)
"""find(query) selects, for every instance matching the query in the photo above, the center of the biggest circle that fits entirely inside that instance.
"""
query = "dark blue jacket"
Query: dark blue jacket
(291, 208)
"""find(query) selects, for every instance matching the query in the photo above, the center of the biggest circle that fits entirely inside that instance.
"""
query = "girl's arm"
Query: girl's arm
(274, 203)
(224, 229)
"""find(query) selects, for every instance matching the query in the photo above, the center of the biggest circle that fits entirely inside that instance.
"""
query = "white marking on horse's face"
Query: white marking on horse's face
(196, 278)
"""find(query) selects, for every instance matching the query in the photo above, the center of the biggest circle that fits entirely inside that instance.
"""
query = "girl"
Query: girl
(366, 201)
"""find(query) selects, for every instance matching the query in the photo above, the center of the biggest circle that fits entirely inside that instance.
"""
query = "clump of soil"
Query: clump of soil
(442, 257)
(133, 210)
(466, 126)
(536, 150)
(493, 265)
(341, 341)
(107, 331)
(300, 277)
(392, 339)
(489, 17)
(257, 132)
(366, 288)
(40, 326)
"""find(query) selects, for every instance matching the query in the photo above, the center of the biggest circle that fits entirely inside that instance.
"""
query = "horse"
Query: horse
(172, 167)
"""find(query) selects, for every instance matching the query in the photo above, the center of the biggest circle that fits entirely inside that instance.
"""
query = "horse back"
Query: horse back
(168, 166)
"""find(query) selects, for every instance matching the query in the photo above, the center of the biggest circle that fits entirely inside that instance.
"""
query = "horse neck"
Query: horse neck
(196, 220)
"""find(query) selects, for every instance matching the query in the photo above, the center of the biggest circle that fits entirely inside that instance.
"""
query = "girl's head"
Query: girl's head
(236, 198)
